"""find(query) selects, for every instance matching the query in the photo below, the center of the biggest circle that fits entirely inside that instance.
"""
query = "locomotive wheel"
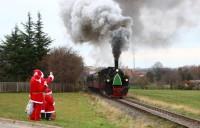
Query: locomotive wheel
(125, 91)
(108, 90)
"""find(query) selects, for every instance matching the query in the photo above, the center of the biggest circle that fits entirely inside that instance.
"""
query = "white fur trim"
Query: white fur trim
(49, 93)
(50, 112)
(39, 80)
(36, 102)
(45, 83)
(42, 75)
(42, 111)
(35, 74)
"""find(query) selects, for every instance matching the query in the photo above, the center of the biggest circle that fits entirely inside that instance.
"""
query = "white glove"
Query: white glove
(51, 75)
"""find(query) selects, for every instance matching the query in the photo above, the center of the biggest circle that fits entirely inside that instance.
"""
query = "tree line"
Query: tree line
(172, 78)
(28, 48)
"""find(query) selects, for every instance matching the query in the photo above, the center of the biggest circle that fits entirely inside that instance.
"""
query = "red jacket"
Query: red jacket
(43, 104)
(37, 87)
(49, 103)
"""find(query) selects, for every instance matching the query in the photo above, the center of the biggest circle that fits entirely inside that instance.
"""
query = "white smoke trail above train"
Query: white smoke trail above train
(97, 21)
(157, 22)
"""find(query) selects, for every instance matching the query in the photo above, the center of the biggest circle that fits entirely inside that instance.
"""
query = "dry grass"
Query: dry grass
(167, 105)
(185, 102)
(121, 119)
(114, 114)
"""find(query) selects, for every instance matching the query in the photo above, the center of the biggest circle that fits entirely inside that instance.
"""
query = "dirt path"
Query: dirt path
(9, 123)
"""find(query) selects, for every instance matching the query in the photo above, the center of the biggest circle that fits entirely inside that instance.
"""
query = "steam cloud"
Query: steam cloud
(157, 22)
(97, 21)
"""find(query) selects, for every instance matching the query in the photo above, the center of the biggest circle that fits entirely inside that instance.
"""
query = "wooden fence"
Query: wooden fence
(24, 87)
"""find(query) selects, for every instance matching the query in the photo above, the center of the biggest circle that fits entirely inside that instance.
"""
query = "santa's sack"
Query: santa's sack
(29, 107)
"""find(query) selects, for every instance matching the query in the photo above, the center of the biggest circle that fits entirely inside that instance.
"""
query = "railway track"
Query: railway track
(174, 117)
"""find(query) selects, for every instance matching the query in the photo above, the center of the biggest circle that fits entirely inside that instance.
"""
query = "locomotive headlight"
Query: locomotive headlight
(117, 70)
(126, 80)
(108, 80)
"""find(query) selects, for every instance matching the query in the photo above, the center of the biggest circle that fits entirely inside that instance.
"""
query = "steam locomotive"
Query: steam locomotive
(110, 81)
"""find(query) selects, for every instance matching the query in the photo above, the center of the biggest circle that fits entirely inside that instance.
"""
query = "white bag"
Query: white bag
(29, 108)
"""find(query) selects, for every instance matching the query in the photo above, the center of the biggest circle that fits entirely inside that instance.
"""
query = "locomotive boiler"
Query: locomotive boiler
(109, 81)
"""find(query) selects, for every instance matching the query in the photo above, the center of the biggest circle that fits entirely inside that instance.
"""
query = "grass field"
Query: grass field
(186, 102)
(74, 111)
(80, 110)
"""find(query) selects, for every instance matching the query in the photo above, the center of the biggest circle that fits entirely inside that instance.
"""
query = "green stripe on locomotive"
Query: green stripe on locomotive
(117, 80)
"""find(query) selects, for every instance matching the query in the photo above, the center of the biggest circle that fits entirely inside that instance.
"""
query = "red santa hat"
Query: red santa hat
(48, 91)
(38, 74)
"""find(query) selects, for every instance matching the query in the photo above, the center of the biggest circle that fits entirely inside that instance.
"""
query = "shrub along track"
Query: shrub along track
(174, 117)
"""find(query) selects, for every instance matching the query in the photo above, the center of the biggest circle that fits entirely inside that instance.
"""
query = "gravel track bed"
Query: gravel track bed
(137, 114)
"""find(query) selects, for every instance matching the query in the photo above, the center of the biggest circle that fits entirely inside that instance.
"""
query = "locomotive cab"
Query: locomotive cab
(116, 83)
(110, 81)
(119, 84)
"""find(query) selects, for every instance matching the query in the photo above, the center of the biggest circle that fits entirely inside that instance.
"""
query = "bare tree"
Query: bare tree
(65, 63)
(171, 77)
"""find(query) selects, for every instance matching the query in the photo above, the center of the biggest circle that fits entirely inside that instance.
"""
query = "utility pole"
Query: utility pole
(133, 58)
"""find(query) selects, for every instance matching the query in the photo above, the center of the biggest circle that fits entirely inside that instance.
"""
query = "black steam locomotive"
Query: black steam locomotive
(110, 81)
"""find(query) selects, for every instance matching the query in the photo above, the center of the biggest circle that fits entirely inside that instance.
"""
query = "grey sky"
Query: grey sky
(183, 50)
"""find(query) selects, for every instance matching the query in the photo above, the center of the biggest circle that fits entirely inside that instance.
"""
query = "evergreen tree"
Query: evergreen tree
(42, 41)
(21, 51)
(11, 56)
(29, 52)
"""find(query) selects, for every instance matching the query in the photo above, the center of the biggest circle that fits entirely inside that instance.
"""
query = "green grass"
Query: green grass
(184, 101)
(80, 110)
(73, 110)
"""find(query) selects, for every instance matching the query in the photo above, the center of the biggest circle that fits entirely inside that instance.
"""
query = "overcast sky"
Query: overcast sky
(184, 49)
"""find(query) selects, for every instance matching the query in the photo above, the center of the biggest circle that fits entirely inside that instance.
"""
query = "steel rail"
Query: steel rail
(171, 116)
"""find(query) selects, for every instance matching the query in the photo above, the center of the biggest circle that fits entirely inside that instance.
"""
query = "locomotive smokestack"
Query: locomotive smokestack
(116, 63)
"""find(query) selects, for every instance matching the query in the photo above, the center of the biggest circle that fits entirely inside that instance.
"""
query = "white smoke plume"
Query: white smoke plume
(157, 22)
(96, 22)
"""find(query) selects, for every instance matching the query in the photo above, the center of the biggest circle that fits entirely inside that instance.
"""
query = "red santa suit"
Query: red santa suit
(37, 86)
(49, 104)
(43, 113)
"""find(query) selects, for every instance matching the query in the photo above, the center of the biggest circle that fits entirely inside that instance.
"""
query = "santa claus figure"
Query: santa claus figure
(49, 105)
(38, 84)
(43, 113)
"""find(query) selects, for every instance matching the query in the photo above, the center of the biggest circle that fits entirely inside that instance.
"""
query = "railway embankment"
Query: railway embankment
(184, 102)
